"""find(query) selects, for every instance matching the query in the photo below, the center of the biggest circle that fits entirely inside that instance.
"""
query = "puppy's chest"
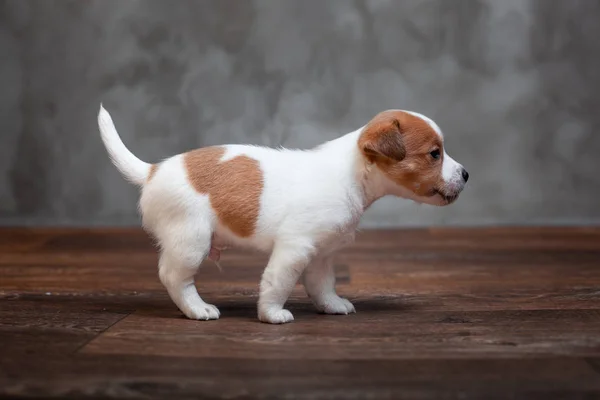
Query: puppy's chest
(342, 237)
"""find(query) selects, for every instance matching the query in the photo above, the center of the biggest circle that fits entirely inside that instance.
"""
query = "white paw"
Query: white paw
(336, 305)
(275, 316)
(203, 312)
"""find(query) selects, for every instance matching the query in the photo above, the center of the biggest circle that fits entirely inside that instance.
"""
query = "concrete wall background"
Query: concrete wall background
(513, 83)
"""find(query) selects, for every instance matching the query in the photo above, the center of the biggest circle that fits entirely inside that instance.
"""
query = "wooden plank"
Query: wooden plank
(47, 240)
(381, 334)
(149, 377)
(51, 325)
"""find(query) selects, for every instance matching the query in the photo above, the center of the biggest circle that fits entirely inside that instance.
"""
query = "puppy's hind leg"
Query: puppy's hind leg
(179, 261)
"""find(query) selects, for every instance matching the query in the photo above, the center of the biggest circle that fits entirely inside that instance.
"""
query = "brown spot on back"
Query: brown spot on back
(399, 143)
(234, 186)
(152, 171)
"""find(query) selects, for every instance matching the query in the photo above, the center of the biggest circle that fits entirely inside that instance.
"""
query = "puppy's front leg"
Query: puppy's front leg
(319, 282)
(285, 266)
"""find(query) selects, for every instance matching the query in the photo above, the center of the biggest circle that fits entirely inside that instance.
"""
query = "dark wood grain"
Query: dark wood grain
(442, 313)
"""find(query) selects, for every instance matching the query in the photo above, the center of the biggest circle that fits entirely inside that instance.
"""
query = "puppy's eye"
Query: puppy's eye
(435, 154)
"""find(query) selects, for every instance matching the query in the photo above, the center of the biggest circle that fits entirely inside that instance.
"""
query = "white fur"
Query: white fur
(134, 169)
(310, 206)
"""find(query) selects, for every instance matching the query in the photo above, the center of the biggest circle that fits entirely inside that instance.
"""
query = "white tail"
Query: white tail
(134, 169)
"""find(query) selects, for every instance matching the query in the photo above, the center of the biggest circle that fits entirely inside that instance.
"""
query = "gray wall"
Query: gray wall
(513, 83)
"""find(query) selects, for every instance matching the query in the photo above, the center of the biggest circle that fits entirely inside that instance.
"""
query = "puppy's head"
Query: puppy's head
(408, 148)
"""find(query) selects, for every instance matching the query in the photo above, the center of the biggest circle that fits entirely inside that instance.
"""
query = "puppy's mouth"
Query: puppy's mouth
(448, 198)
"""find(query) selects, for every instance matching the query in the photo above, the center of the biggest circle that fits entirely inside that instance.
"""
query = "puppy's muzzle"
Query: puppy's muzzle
(450, 192)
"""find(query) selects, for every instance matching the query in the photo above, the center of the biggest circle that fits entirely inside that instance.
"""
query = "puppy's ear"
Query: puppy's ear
(382, 139)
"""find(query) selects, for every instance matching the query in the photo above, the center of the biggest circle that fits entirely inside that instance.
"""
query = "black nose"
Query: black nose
(465, 175)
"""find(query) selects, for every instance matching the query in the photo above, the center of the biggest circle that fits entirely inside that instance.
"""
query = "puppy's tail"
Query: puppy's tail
(134, 169)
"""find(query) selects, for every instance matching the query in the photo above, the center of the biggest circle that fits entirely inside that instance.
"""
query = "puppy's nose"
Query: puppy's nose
(465, 175)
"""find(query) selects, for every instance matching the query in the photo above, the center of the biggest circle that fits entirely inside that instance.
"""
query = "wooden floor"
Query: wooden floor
(441, 313)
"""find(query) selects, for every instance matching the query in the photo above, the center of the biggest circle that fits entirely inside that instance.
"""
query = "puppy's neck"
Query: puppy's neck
(367, 180)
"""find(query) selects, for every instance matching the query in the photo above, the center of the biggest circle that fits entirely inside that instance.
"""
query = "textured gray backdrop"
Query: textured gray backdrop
(513, 83)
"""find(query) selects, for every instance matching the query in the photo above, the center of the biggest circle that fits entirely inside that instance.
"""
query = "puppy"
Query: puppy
(299, 205)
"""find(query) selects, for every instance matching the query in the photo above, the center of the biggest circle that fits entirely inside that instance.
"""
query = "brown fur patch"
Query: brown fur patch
(152, 171)
(400, 143)
(234, 187)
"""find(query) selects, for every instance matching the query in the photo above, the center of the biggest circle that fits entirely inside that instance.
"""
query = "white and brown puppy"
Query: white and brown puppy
(299, 205)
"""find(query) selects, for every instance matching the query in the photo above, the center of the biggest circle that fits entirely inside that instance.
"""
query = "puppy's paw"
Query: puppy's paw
(275, 316)
(203, 312)
(336, 305)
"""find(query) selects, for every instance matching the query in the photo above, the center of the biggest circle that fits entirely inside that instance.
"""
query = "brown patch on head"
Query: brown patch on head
(234, 186)
(151, 172)
(400, 144)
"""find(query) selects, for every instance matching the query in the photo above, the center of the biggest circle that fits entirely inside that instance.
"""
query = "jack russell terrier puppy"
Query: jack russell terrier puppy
(299, 205)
